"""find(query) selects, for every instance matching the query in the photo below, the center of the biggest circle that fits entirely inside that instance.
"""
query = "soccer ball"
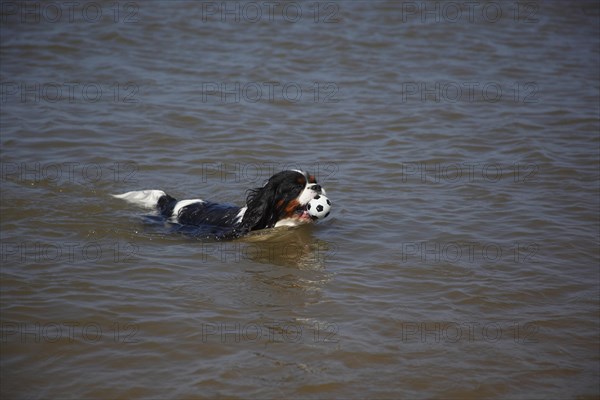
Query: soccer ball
(319, 207)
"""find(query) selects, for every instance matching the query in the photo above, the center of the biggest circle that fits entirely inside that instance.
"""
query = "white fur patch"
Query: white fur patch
(308, 194)
(144, 198)
(240, 215)
(291, 222)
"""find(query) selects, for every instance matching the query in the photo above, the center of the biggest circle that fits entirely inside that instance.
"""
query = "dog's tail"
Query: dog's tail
(151, 199)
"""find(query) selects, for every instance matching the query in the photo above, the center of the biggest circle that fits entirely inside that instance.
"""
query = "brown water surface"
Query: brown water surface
(461, 153)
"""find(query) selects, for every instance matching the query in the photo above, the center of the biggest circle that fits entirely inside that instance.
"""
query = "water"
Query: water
(459, 147)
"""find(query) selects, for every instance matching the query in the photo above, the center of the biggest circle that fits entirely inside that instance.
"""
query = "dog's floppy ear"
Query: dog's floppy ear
(261, 208)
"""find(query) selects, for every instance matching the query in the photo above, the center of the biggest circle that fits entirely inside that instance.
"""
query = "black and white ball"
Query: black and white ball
(319, 207)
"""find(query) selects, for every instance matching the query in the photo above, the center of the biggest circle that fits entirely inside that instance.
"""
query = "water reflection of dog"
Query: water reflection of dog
(288, 270)
(288, 247)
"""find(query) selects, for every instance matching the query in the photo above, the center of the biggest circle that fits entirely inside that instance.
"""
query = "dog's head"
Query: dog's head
(281, 201)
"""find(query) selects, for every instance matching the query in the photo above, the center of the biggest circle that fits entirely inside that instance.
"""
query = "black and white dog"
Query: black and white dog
(280, 202)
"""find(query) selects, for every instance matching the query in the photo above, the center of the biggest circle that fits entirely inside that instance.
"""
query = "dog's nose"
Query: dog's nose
(316, 188)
